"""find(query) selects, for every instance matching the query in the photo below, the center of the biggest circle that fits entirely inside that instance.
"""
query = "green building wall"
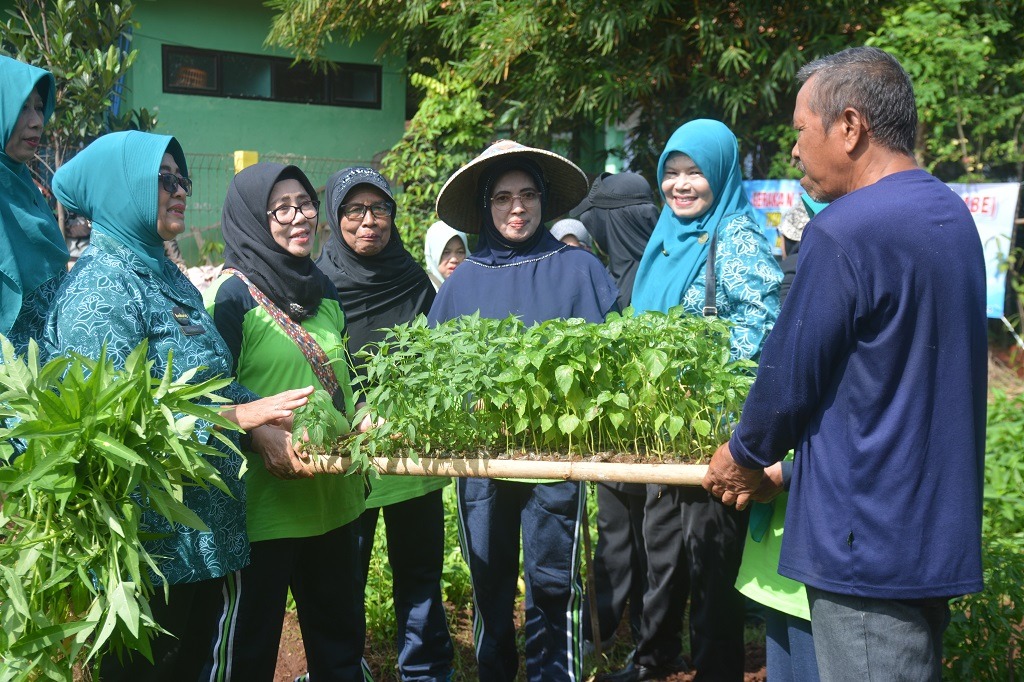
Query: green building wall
(214, 125)
(320, 139)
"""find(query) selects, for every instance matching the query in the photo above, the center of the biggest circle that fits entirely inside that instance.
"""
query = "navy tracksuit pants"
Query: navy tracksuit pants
(491, 515)
(415, 536)
(323, 574)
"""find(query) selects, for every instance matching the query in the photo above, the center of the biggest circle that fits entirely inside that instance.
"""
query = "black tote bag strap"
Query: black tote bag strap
(710, 309)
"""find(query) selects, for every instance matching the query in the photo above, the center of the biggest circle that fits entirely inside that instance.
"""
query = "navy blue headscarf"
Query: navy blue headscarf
(538, 279)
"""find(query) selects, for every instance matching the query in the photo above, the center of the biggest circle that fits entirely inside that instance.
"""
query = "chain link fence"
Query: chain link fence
(211, 176)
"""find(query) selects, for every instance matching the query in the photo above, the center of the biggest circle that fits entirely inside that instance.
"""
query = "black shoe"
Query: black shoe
(635, 672)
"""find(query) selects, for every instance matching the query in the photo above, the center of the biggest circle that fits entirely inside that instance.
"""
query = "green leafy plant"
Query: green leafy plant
(1004, 467)
(986, 632)
(450, 127)
(318, 420)
(653, 386)
(211, 251)
(75, 579)
(984, 639)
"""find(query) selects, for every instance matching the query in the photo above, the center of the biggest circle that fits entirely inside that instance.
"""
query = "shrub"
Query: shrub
(984, 638)
(74, 577)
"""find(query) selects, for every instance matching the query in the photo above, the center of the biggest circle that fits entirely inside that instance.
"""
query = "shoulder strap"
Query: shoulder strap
(315, 355)
(710, 307)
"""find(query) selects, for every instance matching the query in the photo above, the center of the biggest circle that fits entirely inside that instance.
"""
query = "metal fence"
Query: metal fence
(211, 176)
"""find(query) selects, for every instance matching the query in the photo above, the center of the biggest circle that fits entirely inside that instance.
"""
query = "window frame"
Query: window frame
(168, 51)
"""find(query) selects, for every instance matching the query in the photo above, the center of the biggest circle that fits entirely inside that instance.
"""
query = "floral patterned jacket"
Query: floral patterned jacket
(747, 286)
(112, 297)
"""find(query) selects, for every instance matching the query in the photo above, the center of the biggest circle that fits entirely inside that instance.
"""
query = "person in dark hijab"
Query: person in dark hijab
(520, 269)
(380, 286)
(283, 321)
(620, 214)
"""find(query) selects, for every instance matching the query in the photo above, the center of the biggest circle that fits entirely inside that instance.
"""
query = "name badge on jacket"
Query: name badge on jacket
(187, 328)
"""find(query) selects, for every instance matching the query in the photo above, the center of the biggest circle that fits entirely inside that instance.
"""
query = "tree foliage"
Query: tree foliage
(548, 71)
(965, 59)
(450, 127)
(552, 69)
(86, 48)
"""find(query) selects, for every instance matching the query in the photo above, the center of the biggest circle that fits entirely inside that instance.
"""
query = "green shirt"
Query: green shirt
(759, 576)
(268, 362)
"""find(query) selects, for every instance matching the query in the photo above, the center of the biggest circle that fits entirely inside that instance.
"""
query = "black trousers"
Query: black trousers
(190, 615)
(324, 576)
(694, 547)
(620, 559)
(415, 537)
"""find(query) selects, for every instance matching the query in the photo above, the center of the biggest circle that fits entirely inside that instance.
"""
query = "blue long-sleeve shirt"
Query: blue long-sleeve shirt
(876, 374)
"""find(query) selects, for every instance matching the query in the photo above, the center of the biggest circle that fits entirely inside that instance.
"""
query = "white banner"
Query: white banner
(993, 206)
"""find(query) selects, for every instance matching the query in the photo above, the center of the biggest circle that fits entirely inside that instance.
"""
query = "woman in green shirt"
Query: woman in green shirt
(283, 322)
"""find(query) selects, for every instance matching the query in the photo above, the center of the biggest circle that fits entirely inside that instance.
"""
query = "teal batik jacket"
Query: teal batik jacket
(113, 297)
(747, 286)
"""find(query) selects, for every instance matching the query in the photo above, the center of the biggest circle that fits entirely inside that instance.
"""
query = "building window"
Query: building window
(191, 71)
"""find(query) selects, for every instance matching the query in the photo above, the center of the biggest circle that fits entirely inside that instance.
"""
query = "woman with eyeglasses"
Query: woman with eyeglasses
(122, 291)
(283, 322)
(33, 256)
(381, 286)
(506, 194)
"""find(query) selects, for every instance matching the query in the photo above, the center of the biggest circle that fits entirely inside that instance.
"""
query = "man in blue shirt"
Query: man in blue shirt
(875, 373)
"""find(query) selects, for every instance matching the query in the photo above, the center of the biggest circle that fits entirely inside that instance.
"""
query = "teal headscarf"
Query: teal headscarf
(32, 249)
(813, 207)
(113, 182)
(678, 247)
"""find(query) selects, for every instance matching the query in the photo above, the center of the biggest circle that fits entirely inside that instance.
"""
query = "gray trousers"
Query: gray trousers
(861, 639)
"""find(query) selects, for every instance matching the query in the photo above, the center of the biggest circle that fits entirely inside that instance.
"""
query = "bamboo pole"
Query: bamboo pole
(665, 473)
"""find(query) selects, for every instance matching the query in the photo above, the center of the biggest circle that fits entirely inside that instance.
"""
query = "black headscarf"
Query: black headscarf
(494, 249)
(620, 214)
(378, 291)
(294, 284)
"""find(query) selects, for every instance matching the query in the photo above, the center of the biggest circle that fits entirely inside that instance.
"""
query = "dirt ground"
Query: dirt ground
(291, 660)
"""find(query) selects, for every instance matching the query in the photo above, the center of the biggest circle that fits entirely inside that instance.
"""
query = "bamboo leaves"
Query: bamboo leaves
(99, 444)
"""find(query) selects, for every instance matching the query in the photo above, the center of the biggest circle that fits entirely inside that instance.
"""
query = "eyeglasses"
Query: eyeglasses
(356, 211)
(170, 183)
(503, 200)
(286, 214)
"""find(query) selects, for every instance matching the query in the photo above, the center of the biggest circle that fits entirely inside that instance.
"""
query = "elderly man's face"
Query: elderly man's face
(820, 155)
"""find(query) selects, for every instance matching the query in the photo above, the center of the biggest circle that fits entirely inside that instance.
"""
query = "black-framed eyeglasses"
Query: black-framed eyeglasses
(381, 209)
(503, 200)
(285, 214)
(171, 182)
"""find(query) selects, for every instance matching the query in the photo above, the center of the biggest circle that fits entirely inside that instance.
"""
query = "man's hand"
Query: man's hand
(727, 480)
(279, 456)
(771, 484)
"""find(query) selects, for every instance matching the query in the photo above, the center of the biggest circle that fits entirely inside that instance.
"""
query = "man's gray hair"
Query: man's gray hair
(872, 82)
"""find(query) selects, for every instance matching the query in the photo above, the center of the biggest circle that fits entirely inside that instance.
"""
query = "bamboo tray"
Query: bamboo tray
(607, 472)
